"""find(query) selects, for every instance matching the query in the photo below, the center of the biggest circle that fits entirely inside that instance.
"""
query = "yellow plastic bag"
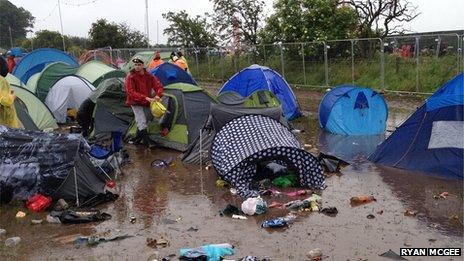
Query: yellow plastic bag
(157, 109)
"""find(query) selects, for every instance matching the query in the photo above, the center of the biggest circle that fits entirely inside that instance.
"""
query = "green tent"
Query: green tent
(258, 99)
(14, 80)
(146, 57)
(51, 74)
(188, 107)
(37, 110)
(110, 114)
(96, 71)
(31, 84)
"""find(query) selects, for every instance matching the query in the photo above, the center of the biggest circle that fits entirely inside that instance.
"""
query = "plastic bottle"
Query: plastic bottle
(12, 241)
(273, 223)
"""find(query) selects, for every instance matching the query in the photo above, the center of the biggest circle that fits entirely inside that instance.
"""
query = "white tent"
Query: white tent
(68, 92)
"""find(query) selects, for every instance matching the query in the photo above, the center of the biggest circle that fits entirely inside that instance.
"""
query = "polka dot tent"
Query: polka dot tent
(246, 141)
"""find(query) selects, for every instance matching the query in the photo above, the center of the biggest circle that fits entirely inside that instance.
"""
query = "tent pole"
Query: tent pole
(75, 186)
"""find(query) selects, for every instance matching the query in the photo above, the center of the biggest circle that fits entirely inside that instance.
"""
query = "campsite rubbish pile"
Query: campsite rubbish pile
(207, 252)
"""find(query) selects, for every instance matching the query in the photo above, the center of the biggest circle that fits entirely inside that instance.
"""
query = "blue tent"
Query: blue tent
(36, 60)
(257, 77)
(169, 73)
(432, 138)
(353, 110)
(16, 52)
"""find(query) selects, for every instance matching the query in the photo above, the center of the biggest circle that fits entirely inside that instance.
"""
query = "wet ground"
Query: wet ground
(181, 204)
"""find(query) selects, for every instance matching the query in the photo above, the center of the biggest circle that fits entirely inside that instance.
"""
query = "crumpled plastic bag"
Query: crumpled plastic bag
(253, 206)
(212, 252)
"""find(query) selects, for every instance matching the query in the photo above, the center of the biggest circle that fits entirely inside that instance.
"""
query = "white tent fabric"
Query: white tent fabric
(68, 92)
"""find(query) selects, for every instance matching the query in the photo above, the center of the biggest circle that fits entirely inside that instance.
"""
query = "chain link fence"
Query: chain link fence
(415, 64)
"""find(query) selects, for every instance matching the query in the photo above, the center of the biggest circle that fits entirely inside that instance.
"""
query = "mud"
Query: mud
(181, 204)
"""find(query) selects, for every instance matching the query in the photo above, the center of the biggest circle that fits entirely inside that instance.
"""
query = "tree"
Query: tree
(18, 19)
(309, 20)
(188, 31)
(132, 38)
(376, 17)
(103, 33)
(45, 39)
(238, 19)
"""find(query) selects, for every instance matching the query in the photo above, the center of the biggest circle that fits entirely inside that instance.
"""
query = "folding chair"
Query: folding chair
(114, 152)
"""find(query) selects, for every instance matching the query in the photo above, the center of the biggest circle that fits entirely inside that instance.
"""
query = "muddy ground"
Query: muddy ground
(181, 204)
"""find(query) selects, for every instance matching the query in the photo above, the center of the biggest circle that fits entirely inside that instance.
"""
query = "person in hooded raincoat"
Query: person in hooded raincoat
(8, 115)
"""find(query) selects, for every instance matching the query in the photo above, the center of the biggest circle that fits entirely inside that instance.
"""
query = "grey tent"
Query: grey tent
(54, 165)
(219, 116)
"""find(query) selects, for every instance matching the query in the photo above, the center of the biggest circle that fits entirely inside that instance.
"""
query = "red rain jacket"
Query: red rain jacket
(139, 86)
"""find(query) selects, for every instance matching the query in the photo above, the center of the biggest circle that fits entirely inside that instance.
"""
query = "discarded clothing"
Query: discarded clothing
(290, 180)
(93, 240)
(330, 211)
(230, 210)
(213, 252)
(77, 217)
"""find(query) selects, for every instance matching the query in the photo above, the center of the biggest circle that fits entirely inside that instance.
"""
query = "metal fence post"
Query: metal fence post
(382, 64)
(304, 69)
(264, 51)
(282, 59)
(222, 65)
(352, 61)
(196, 61)
(326, 65)
(437, 50)
(416, 49)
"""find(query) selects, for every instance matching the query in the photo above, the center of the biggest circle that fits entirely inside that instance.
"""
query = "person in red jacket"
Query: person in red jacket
(11, 63)
(142, 88)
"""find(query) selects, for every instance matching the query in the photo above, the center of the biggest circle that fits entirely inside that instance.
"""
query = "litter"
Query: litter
(275, 204)
(221, 183)
(61, 205)
(410, 213)
(36, 221)
(2, 231)
(162, 163)
(239, 217)
(279, 222)
(370, 216)
(77, 217)
(230, 210)
(133, 219)
(392, 255)
(315, 254)
(94, 240)
(53, 220)
(359, 200)
(330, 211)
(253, 206)
(290, 180)
(192, 229)
(210, 252)
(442, 195)
(12, 241)
(38, 203)
(154, 243)
(20, 214)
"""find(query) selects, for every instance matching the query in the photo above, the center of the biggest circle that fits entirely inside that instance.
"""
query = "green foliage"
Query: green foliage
(18, 19)
(400, 73)
(103, 34)
(45, 39)
(308, 20)
(238, 19)
(188, 31)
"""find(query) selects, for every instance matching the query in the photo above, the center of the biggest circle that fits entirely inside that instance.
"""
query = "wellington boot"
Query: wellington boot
(137, 139)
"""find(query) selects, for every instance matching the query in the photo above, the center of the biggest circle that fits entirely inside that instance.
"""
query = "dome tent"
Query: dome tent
(352, 110)
(36, 60)
(169, 73)
(432, 138)
(96, 71)
(35, 108)
(189, 107)
(59, 88)
(256, 77)
(244, 142)
(54, 165)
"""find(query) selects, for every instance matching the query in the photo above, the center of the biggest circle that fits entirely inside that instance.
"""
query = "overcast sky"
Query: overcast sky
(78, 15)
